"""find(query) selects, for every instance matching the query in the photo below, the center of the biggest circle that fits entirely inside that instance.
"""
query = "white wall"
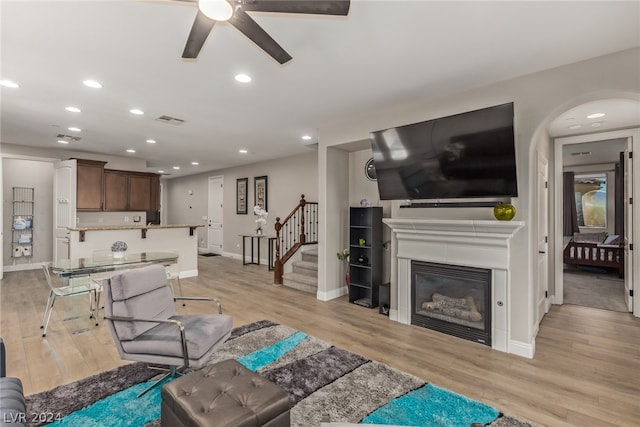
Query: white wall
(538, 98)
(287, 179)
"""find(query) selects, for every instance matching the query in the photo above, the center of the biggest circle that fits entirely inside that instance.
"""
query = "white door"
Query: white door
(64, 206)
(214, 226)
(628, 229)
(542, 238)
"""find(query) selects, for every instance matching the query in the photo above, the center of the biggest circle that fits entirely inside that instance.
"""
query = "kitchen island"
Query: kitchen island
(84, 242)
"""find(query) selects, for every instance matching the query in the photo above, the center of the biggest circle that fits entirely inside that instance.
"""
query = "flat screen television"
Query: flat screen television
(467, 155)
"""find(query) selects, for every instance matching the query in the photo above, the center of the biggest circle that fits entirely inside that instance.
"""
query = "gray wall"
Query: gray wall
(288, 178)
(36, 174)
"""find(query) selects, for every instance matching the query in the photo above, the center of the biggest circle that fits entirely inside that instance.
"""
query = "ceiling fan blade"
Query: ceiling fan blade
(316, 7)
(251, 29)
(200, 30)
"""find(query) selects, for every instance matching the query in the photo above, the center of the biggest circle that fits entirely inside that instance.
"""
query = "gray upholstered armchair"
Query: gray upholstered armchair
(140, 311)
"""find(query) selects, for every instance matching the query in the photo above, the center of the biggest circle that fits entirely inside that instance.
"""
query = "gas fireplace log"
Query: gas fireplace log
(460, 308)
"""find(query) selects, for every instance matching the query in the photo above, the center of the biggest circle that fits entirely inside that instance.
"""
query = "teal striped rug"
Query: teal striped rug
(325, 383)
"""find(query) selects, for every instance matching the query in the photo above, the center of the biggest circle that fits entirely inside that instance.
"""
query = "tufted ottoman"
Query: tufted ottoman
(224, 395)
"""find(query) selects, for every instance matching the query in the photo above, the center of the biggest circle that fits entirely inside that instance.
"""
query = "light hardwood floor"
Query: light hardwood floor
(586, 370)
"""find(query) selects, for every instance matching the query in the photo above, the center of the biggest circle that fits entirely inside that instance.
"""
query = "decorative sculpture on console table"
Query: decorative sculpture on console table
(262, 218)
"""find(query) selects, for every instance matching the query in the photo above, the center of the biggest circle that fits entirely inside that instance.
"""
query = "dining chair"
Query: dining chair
(74, 289)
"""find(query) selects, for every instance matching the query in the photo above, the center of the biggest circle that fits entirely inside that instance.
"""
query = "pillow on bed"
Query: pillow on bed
(589, 237)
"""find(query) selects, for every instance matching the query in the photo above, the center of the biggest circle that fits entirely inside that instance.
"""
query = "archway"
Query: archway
(544, 145)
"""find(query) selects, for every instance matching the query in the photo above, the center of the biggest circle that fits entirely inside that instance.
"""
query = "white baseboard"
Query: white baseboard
(332, 294)
(188, 273)
(203, 250)
(523, 349)
(22, 267)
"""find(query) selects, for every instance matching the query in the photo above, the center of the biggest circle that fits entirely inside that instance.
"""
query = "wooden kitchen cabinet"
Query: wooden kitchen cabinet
(131, 191)
(139, 192)
(155, 192)
(115, 190)
(90, 185)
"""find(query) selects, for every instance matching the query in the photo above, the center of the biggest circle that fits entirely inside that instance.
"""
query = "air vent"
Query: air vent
(170, 120)
(68, 137)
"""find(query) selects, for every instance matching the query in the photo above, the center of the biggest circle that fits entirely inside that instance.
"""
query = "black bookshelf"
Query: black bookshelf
(365, 260)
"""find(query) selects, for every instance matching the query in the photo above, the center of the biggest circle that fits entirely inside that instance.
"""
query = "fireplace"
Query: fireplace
(452, 299)
(477, 244)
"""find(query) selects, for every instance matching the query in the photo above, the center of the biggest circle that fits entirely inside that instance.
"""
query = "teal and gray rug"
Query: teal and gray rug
(325, 384)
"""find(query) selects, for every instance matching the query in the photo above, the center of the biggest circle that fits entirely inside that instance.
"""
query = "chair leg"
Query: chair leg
(180, 287)
(52, 300)
(171, 373)
(94, 300)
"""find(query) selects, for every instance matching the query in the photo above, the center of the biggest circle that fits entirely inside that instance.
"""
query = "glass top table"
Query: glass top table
(108, 262)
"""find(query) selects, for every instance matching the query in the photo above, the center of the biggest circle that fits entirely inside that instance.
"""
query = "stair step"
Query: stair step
(306, 268)
(310, 255)
(301, 282)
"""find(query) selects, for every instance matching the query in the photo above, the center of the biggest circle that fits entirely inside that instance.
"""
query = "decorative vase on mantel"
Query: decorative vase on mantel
(504, 211)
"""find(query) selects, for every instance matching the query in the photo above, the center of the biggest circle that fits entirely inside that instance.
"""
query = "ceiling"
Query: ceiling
(383, 53)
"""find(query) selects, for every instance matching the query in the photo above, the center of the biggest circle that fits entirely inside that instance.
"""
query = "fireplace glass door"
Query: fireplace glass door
(452, 299)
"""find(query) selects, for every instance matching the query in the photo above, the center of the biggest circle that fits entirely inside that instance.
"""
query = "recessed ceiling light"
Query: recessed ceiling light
(136, 111)
(74, 129)
(176, 167)
(195, 163)
(151, 141)
(243, 151)
(131, 150)
(575, 126)
(62, 141)
(595, 115)
(596, 124)
(243, 78)
(161, 171)
(72, 109)
(92, 83)
(9, 83)
(306, 137)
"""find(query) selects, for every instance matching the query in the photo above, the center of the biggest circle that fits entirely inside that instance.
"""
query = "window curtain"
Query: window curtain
(619, 198)
(569, 210)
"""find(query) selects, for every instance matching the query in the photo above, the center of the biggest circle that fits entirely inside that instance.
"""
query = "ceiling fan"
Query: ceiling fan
(235, 12)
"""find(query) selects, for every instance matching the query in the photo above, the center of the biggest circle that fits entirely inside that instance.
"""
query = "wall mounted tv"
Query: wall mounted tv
(467, 155)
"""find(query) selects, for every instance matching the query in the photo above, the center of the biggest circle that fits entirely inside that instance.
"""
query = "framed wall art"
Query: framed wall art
(260, 192)
(241, 195)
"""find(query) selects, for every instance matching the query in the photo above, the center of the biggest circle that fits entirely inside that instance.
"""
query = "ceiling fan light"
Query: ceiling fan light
(218, 10)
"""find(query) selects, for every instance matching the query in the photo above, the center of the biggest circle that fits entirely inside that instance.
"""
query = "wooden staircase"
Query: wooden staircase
(298, 229)
(305, 272)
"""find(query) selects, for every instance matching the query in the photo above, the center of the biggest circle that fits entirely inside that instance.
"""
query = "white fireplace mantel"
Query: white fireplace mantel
(472, 243)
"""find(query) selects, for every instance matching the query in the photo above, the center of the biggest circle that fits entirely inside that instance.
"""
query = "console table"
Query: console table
(255, 240)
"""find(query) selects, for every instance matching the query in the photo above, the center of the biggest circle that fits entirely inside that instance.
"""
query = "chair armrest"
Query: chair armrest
(183, 337)
(216, 300)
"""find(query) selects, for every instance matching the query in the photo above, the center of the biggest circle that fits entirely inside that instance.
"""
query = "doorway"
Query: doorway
(215, 217)
(592, 158)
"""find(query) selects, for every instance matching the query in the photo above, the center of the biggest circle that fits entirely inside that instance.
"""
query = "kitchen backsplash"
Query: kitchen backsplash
(85, 219)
